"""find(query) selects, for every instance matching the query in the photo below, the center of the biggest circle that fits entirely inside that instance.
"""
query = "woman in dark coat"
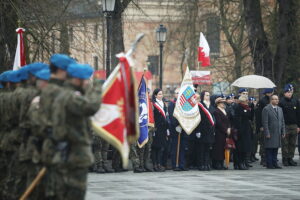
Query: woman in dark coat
(222, 129)
(161, 130)
(204, 136)
(242, 122)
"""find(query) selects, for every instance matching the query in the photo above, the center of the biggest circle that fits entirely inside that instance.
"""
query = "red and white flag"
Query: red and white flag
(203, 51)
(117, 120)
(20, 59)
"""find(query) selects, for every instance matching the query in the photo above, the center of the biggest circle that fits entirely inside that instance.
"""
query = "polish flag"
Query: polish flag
(117, 120)
(20, 59)
(203, 51)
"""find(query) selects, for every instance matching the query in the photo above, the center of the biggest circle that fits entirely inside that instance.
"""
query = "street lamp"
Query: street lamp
(161, 35)
(108, 8)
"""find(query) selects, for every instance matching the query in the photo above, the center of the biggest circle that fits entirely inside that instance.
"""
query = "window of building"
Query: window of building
(152, 63)
(213, 34)
(96, 27)
(96, 63)
(71, 34)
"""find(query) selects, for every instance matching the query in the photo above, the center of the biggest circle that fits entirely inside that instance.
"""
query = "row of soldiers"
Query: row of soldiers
(44, 127)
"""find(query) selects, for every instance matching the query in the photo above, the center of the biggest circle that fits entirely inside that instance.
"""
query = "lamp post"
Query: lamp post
(161, 35)
(108, 8)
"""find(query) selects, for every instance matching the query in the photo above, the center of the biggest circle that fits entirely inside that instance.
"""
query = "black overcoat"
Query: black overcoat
(222, 124)
(242, 122)
(161, 126)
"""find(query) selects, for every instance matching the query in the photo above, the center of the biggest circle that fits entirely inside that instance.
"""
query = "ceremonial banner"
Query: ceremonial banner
(201, 77)
(186, 109)
(144, 115)
(203, 51)
(117, 120)
(20, 59)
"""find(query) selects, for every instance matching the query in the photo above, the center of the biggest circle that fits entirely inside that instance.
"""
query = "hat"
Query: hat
(220, 100)
(288, 87)
(230, 96)
(43, 74)
(33, 68)
(268, 90)
(82, 71)
(61, 61)
(252, 99)
(23, 73)
(1, 86)
(4, 77)
(13, 76)
(241, 90)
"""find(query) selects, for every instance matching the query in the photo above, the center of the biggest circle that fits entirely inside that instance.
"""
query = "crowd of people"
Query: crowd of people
(232, 127)
(45, 127)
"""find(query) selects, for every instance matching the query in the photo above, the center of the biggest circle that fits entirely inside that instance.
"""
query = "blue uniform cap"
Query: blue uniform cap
(13, 76)
(61, 61)
(252, 99)
(268, 90)
(24, 71)
(43, 74)
(4, 77)
(241, 90)
(35, 67)
(82, 71)
(288, 87)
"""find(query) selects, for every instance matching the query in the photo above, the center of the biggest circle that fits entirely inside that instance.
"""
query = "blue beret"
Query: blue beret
(61, 61)
(13, 76)
(35, 67)
(43, 74)
(81, 71)
(288, 87)
(4, 77)
(1, 86)
(241, 90)
(23, 72)
(268, 90)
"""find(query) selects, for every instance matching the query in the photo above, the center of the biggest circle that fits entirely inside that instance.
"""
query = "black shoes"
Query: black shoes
(139, 170)
(277, 167)
(285, 162)
(291, 162)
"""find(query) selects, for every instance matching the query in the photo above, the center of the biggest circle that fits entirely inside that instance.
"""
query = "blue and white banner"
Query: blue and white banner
(143, 108)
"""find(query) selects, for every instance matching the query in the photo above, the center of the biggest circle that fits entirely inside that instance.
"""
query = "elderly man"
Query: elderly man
(274, 130)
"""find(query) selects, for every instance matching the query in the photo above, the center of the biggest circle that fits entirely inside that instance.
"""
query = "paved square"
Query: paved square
(254, 184)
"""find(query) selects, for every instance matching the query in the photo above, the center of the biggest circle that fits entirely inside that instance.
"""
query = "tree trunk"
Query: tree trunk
(8, 35)
(258, 43)
(64, 38)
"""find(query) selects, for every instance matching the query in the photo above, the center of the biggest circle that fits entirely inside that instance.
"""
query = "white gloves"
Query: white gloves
(198, 135)
(178, 129)
(168, 132)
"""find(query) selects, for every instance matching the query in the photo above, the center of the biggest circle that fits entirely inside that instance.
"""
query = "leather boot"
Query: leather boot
(285, 162)
(291, 162)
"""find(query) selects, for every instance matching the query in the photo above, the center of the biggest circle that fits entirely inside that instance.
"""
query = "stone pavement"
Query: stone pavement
(254, 184)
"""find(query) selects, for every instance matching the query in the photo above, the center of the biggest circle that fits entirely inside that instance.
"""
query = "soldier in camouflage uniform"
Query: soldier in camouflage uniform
(145, 151)
(58, 67)
(100, 147)
(264, 101)
(291, 111)
(71, 135)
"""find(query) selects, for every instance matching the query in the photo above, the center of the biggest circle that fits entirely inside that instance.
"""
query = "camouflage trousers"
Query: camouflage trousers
(289, 141)
(100, 148)
(70, 183)
(261, 141)
(140, 157)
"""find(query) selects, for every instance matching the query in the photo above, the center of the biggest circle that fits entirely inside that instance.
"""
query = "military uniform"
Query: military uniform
(145, 152)
(71, 135)
(291, 112)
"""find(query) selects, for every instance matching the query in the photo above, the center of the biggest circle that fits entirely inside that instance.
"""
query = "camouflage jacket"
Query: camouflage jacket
(71, 112)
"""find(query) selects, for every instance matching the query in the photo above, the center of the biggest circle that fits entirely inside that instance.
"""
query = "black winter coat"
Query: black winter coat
(242, 122)
(161, 126)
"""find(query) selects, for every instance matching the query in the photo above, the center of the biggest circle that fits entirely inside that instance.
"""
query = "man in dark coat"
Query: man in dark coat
(274, 130)
(265, 100)
(291, 111)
